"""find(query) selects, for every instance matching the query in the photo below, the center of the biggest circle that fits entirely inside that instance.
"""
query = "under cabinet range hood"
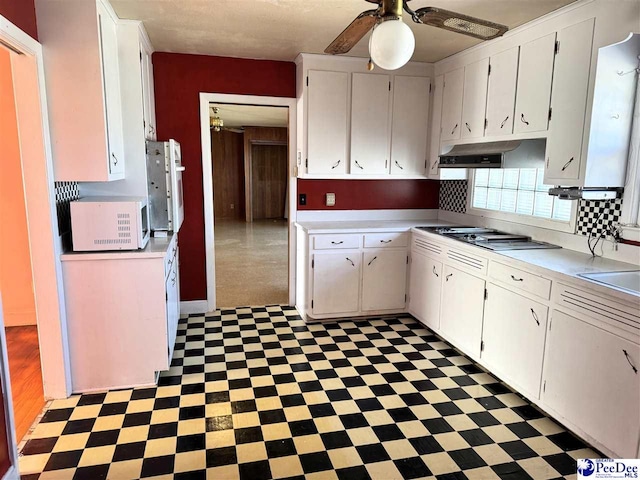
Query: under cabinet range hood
(508, 154)
(611, 129)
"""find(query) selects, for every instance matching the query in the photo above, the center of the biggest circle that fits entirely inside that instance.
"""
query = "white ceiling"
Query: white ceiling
(237, 116)
(280, 29)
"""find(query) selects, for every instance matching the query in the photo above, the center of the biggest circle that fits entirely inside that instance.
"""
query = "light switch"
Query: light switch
(331, 199)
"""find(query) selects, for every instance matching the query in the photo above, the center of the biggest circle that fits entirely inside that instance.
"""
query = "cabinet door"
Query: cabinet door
(336, 282)
(436, 119)
(569, 102)
(173, 307)
(370, 123)
(425, 287)
(148, 96)
(111, 83)
(384, 280)
(327, 122)
(501, 97)
(461, 318)
(410, 125)
(589, 380)
(533, 94)
(474, 100)
(513, 338)
(452, 105)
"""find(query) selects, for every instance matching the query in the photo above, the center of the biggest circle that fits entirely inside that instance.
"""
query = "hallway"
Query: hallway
(251, 262)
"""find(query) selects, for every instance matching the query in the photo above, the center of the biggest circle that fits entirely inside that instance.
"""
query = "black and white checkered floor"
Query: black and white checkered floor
(255, 393)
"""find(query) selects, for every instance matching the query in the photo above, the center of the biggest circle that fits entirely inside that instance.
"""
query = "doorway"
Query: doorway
(250, 190)
(16, 272)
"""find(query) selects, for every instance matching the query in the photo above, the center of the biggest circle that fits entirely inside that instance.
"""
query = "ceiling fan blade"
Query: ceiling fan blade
(459, 23)
(353, 33)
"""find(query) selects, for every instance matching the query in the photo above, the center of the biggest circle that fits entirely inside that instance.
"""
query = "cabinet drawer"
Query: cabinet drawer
(379, 240)
(327, 242)
(611, 311)
(521, 280)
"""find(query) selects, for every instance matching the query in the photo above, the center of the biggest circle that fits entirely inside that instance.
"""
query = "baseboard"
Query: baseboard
(194, 306)
(11, 474)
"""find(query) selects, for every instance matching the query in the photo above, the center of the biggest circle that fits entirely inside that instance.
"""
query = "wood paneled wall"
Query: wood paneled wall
(227, 152)
(259, 136)
(268, 180)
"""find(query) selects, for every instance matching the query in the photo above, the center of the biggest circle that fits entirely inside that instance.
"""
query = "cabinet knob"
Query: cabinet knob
(454, 129)
(335, 165)
(535, 316)
(468, 127)
(358, 165)
(564, 167)
(434, 271)
(386, 241)
(368, 264)
(504, 122)
(517, 279)
(434, 164)
(628, 357)
(448, 276)
(349, 260)
(115, 159)
(523, 120)
(336, 243)
(399, 166)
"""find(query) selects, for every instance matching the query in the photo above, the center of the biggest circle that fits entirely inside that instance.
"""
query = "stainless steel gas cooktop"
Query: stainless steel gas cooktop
(489, 238)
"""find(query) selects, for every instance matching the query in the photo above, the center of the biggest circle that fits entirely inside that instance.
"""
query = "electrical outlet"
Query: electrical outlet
(233, 206)
(331, 199)
(302, 199)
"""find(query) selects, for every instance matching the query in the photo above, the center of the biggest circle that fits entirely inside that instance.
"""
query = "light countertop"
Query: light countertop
(156, 248)
(361, 226)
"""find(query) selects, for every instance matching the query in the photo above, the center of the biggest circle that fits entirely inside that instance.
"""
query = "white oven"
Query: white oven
(164, 184)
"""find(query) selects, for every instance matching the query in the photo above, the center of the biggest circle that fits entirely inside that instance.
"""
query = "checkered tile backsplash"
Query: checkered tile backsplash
(65, 193)
(595, 216)
(453, 195)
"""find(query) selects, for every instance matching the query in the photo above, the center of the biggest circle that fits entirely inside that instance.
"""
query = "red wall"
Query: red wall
(21, 13)
(179, 79)
(369, 194)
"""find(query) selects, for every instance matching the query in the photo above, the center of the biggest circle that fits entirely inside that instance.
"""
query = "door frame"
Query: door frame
(248, 174)
(207, 184)
(42, 220)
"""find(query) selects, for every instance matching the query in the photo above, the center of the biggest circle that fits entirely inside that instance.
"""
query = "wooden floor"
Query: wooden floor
(26, 376)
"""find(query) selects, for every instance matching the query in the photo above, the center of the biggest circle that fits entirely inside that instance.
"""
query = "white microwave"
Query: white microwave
(109, 223)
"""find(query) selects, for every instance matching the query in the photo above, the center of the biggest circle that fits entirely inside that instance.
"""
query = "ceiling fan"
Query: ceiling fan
(217, 124)
(392, 41)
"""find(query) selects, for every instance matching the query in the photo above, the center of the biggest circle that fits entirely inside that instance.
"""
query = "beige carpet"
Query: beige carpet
(251, 263)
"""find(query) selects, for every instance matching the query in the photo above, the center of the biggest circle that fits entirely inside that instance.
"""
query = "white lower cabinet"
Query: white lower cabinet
(384, 279)
(425, 288)
(172, 290)
(122, 315)
(357, 274)
(513, 338)
(462, 309)
(591, 381)
(336, 282)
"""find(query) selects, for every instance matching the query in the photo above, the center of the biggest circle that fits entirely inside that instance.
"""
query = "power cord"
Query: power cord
(605, 231)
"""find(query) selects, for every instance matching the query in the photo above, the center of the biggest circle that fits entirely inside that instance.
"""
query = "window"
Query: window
(518, 191)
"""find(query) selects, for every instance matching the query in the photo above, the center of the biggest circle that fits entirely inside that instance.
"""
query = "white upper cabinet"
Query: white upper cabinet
(452, 105)
(328, 94)
(370, 123)
(501, 96)
(568, 102)
(474, 100)
(436, 117)
(148, 93)
(533, 96)
(410, 126)
(83, 89)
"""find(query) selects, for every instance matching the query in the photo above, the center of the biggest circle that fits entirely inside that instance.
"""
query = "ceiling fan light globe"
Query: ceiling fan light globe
(391, 44)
